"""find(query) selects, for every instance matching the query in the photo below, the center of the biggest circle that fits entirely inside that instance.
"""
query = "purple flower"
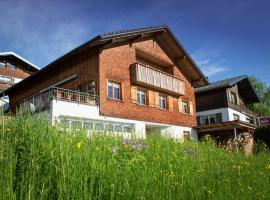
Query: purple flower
(125, 142)
(145, 146)
(139, 147)
(115, 149)
(134, 146)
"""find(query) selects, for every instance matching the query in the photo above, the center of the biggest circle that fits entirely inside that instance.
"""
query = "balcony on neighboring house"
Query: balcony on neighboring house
(42, 101)
(147, 76)
(242, 109)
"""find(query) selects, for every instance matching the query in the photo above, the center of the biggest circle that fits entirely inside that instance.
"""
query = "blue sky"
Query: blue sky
(225, 38)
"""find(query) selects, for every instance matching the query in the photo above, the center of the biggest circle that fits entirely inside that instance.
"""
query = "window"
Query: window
(233, 98)
(235, 117)
(162, 102)
(117, 128)
(204, 119)
(185, 107)
(210, 119)
(141, 97)
(64, 123)
(114, 90)
(109, 128)
(91, 87)
(13, 67)
(77, 125)
(127, 129)
(88, 125)
(99, 127)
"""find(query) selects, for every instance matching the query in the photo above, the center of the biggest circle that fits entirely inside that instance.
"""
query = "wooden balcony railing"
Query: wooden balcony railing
(42, 101)
(148, 76)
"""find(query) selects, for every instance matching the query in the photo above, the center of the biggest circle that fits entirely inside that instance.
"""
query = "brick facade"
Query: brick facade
(115, 66)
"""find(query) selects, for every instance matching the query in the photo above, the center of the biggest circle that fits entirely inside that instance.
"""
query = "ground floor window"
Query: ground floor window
(99, 126)
(210, 119)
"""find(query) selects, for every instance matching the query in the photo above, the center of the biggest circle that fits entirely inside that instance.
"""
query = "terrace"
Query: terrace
(42, 100)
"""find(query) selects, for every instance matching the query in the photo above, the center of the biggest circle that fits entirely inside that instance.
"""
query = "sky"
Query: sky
(225, 38)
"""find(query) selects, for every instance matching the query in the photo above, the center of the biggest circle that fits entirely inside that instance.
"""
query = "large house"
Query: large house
(223, 108)
(13, 69)
(136, 81)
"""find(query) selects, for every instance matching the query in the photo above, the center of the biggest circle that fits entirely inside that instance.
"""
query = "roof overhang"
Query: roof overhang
(245, 88)
(12, 57)
(224, 126)
(161, 34)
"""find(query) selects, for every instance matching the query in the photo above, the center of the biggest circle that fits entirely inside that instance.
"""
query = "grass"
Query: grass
(38, 161)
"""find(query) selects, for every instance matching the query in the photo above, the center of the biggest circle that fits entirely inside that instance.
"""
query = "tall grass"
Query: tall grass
(38, 161)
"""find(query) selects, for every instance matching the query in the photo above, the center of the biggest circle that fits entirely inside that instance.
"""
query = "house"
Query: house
(223, 108)
(136, 81)
(13, 69)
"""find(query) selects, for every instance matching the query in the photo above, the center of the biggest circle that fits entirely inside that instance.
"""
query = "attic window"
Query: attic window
(13, 67)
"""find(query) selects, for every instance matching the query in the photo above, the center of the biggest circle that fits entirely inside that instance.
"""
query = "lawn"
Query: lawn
(38, 161)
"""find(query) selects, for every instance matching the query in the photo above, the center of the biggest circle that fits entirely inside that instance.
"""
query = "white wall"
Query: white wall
(70, 109)
(227, 114)
(242, 117)
(223, 111)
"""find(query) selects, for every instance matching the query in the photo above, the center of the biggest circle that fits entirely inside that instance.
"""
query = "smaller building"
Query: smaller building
(223, 109)
(13, 69)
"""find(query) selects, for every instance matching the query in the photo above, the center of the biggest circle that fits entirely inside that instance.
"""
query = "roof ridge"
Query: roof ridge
(133, 30)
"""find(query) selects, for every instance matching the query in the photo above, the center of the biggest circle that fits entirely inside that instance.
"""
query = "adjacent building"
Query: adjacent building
(13, 69)
(138, 81)
(223, 108)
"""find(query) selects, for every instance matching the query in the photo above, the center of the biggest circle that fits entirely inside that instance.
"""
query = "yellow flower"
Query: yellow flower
(268, 167)
(79, 145)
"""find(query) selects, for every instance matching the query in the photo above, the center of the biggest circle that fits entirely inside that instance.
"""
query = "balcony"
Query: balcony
(42, 101)
(241, 109)
(147, 76)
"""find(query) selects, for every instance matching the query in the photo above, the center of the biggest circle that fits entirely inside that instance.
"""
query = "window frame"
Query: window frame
(141, 91)
(236, 117)
(113, 83)
(187, 103)
(233, 96)
(165, 100)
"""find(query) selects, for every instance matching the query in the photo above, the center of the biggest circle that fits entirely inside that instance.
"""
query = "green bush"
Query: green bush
(262, 136)
(38, 161)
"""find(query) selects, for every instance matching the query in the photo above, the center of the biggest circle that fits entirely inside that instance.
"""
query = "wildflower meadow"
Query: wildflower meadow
(38, 161)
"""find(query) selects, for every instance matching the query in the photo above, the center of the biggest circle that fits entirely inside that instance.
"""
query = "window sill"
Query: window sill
(119, 100)
(186, 114)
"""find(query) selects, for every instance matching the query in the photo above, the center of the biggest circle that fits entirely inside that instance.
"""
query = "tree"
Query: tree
(263, 91)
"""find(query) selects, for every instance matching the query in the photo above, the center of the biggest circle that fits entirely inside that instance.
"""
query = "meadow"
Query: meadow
(38, 161)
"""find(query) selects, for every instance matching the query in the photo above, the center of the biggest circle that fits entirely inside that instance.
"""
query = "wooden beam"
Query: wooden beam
(106, 44)
(135, 39)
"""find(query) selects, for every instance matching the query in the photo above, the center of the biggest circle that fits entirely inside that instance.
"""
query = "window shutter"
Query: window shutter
(134, 94)
(151, 98)
(190, 108)
(156, 99)
(170, 103)
(180, 105)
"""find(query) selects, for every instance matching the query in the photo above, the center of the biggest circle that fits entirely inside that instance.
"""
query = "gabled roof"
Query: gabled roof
(244, 86)
(7, 56)
(161, 34)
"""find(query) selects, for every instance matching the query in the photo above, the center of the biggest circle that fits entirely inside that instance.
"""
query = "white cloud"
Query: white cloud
(39, 30)
(209, 60)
